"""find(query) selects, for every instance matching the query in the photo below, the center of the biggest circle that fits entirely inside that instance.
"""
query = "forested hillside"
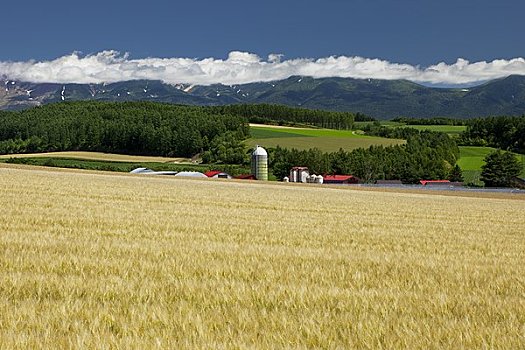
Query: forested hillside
(381, 99)
(147, 128)
(131, 127)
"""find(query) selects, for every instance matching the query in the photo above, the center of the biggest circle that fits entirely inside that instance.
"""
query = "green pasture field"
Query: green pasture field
(325, 139)
(472, 159)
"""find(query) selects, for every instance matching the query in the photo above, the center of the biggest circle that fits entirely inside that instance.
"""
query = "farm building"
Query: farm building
(141, 171)
(190, 174)
(389, 182)
(434, 182)
(440, 183)
(245, 177)
(146, 171)
(217, 174)
(340, 179)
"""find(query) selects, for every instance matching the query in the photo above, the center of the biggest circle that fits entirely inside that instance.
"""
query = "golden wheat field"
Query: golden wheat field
(105, 261)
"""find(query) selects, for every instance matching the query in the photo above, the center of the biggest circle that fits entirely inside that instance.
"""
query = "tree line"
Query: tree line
(430, 121)
(503, 132)
(269, 113)
(144, 128)
(376, 129)
(506, 133)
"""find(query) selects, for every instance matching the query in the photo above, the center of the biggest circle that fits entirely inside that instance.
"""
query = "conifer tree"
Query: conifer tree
(499, 169)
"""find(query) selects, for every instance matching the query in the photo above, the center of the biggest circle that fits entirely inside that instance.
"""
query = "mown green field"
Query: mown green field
(472, 159)
(325, 139)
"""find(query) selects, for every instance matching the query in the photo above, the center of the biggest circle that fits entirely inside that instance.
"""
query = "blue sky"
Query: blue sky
(416, 32)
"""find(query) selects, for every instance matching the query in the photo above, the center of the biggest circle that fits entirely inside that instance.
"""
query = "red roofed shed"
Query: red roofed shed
(245, 177)
(218, 174)
(340, 179)
(434, 182)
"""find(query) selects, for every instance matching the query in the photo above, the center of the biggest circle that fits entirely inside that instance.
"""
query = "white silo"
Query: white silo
(303, 176)
(293, 175)
(260, 163)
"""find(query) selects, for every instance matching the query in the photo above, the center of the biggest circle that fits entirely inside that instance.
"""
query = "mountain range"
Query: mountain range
(382, 99)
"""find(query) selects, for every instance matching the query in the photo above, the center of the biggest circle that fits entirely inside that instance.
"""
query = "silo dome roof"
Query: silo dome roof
(259, 151)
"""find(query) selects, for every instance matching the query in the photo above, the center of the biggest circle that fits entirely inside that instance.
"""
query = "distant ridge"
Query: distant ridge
(382, 99)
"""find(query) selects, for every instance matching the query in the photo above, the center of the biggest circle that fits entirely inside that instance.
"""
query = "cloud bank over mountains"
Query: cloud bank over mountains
(244, 67)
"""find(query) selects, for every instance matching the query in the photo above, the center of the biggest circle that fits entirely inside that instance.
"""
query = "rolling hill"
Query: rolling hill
(382, 99)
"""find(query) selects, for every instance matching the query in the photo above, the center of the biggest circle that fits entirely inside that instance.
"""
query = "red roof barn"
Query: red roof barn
(245, 177)
(434, 182)
(340, 179)
(217, 174)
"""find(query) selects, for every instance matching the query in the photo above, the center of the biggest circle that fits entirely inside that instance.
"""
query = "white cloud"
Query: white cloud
(244, 67)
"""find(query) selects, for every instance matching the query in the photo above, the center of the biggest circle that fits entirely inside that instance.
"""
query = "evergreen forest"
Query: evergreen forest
(143, 128)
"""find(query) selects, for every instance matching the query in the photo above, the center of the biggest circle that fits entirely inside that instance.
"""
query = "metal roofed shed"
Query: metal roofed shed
(435, 182)
(146, 171)
(340, 179)
(191, 174)
(389, 182)
(165, 172)
(245, 177)
(141, 171)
